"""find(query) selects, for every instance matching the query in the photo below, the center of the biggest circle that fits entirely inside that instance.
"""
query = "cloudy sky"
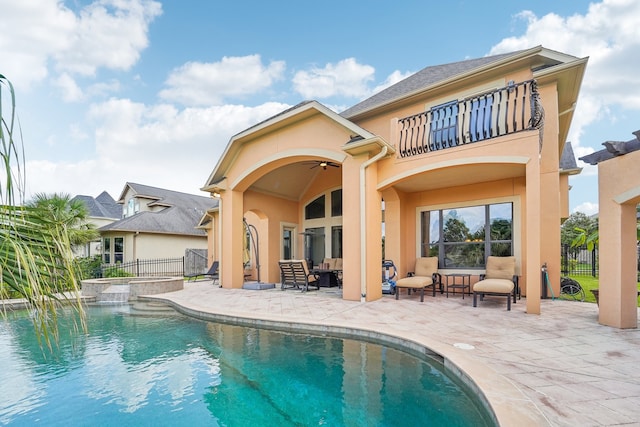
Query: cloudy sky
(116, 91)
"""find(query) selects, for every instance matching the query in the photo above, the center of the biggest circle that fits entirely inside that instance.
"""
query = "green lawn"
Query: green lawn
(588, 283)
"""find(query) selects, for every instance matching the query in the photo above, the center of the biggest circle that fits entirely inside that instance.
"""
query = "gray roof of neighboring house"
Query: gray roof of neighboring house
(568, 159)
(102, 206)
(182, 215)
(422, 79)
(613, 149)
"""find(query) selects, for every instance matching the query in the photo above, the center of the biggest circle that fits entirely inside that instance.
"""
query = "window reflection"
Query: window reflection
(463, 237)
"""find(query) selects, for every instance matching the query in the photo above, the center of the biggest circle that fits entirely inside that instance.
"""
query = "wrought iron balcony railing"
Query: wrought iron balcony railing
(507, 110)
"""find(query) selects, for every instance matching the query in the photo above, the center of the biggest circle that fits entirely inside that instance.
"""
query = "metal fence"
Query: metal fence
(146, 268)
(579, 260)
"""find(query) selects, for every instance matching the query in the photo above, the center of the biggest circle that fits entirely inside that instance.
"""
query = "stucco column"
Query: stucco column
(533, 234)
(231, 262)
(362, 231)
(619, 193)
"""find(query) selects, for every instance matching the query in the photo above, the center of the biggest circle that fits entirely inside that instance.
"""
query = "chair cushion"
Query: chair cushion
(498, 286)
(414, 282)
(338, 265)
(426, 266)
(501, 267)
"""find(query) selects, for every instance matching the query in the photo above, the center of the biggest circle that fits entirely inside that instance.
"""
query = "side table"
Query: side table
(464, 284)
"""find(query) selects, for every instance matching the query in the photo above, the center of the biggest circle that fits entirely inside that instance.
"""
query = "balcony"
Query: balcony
(504, 111)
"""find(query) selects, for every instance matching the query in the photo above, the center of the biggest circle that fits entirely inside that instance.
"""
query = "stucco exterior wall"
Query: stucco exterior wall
(619, 194)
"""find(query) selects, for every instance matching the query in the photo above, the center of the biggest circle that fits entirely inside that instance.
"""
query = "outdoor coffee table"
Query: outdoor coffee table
(465, 283)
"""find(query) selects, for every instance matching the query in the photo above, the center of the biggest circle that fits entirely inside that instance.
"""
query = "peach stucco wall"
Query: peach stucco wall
(619, 193)
(513, 168)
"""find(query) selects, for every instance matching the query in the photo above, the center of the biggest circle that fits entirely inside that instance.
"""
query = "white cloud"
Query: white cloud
(157, 145)
(609, 35)
(587, 208)
(346, 78)
(203, 84)
(106, 33)
(70, 91)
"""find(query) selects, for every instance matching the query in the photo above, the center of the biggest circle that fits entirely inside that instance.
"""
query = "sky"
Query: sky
(117, 91)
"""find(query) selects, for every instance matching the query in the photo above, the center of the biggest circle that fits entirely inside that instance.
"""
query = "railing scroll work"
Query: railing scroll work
(503, 111)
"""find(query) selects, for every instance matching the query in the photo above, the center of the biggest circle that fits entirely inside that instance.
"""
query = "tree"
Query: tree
(65, 216)
(576, 226)
(36, 259)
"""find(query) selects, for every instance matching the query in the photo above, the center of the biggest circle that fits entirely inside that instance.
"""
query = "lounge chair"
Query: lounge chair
(295, 273)
(500, 279)
(212, 273)
(425, 275)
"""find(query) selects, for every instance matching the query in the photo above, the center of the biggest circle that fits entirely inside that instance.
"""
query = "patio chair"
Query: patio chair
(500, 279)
(425, 275)
(295, 273)
(212, 273)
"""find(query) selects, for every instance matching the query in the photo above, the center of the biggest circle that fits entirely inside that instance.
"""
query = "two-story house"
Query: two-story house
(462, 161)
(156, 223)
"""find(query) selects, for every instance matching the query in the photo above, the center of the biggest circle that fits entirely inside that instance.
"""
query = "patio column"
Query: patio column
(231, 262)
(619, 193)
(533, 230)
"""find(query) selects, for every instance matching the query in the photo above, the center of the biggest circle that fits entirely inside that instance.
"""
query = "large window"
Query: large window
(463, 237)
(323, 227)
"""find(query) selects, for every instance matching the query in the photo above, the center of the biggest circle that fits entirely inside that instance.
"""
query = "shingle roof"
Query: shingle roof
(102, 206)
(422, 79)
(568, 159)
(613, 149)
(182, 215)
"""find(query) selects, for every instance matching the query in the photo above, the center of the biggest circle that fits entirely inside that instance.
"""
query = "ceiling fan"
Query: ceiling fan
(322, 163)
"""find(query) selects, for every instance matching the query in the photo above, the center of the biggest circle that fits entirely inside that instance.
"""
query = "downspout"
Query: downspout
(363, 228)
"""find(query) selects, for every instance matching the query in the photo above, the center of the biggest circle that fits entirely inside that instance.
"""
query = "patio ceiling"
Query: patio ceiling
(289, 181)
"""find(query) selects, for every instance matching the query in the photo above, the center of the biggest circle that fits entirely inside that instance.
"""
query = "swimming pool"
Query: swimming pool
(137, 367)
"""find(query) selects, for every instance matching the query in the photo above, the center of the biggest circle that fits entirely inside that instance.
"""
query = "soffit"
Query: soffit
(287, 182)
(459, 176)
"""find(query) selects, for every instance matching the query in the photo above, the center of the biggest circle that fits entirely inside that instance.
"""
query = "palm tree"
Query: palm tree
(65, 216)
(36, 259)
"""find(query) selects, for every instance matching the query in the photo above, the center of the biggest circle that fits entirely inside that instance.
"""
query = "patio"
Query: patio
(560, 368)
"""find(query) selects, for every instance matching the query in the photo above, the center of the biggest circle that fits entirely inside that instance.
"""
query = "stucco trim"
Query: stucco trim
(297, 152)
(449, 163)
(628, 195)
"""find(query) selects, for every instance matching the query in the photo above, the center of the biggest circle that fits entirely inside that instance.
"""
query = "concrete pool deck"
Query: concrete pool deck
(560, 368)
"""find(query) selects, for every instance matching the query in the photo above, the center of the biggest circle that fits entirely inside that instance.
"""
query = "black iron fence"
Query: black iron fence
(579, 260)
(146, 268)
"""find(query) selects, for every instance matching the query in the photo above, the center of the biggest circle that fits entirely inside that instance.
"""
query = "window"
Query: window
(106, 250)
(323, 227)
(463, 237)
(315, 209)
(336, 203)
(118, 249)
(444, 126)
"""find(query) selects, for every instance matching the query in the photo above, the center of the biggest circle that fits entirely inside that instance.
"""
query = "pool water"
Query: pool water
(135, 368)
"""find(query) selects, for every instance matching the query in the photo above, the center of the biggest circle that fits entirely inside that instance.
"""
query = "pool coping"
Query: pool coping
(503, 400)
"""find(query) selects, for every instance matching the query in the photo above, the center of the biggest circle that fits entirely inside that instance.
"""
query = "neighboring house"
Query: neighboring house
(103, 210)
(156, 223)
(465, 158)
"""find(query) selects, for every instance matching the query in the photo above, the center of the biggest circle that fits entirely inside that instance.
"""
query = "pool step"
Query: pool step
(149, 308)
